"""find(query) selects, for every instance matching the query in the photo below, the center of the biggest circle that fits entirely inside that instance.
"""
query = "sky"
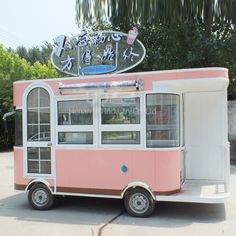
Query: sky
(32, 22)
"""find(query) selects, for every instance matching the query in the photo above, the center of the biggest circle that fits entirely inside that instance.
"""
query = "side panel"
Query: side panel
(168, 166)
(99, 171)
(205, 135)
(19, 180)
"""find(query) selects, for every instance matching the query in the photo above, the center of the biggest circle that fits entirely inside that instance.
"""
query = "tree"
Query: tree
(36, 53)
(13, 68)
(139, 12)
(177, 34)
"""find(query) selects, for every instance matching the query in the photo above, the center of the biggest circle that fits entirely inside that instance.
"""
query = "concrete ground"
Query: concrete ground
(96, 217)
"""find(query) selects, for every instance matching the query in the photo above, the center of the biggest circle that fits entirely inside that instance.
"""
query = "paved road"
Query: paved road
(92, 217)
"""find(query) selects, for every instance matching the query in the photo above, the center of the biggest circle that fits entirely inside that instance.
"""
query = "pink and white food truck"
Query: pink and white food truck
(142, 137)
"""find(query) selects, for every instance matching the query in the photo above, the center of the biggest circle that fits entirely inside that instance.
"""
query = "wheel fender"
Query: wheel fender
(35, 181)
(137, 185)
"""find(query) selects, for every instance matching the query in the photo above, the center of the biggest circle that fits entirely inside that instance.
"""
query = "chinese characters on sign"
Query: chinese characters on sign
(128, 54)
(68, 63)
(97, 52)
(108, 54)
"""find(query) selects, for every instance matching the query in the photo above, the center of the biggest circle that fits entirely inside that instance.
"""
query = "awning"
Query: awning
(129, 85)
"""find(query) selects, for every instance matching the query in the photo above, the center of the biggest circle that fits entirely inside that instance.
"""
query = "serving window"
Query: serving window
(75, 119)
(77, 112)
(120, 111)
(120, 121)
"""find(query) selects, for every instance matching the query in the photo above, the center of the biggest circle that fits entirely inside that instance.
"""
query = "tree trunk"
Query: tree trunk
(208, 16)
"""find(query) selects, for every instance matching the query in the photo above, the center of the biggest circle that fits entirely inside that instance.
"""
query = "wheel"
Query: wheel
(40, 197)
(139, 203)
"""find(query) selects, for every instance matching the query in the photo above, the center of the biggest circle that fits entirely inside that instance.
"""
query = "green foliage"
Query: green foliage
(188, 45)
(176, 34)
(13, 68)
(143, 12)
(35, 54)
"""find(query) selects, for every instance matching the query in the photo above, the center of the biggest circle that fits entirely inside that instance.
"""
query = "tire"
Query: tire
(40, 197)
(139, 203)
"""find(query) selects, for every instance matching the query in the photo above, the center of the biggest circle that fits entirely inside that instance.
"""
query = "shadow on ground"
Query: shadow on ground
(91, 211)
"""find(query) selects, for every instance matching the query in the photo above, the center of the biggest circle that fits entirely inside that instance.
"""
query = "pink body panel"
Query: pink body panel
(101, 169)
(18, 90)
(168, 170)
(18, 168)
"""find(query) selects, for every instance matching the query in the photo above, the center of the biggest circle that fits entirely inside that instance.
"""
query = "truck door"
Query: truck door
(38, 133)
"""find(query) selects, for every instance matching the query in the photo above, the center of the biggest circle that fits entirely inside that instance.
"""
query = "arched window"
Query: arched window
(38, 115)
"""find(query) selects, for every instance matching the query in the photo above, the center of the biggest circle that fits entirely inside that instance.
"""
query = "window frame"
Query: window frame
(70, 117)
(40, 144)
(121, 127)
(126, 124)
(180, 121)
(75, 128)
(39, 160)
(97, 128)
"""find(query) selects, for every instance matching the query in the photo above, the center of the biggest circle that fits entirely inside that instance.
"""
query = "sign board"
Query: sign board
(97, 52)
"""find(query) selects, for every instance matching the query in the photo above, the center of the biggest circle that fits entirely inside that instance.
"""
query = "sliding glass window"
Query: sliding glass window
(162, 120)
(120, 121)
(75, 122)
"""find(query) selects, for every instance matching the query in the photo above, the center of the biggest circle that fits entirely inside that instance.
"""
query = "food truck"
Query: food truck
(143, 137)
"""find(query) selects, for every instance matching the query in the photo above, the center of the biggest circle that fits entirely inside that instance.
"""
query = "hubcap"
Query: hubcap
(40, 197)
(139, 203)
